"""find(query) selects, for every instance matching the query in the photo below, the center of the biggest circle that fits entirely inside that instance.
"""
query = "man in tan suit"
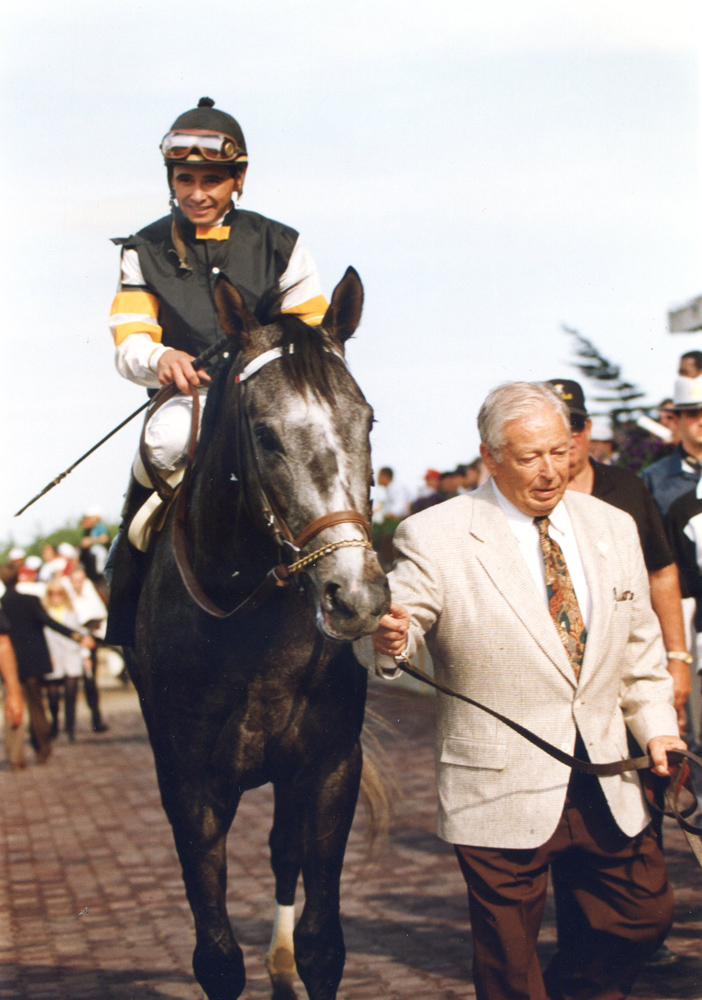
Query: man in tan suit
(482, 579)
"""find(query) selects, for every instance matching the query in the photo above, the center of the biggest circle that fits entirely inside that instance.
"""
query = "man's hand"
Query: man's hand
(88, 642)
(176, 366)
(682, 685)
(658, 748)
(390, 638)
(14, 706)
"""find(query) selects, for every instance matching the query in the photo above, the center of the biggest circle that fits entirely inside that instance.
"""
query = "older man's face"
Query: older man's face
(532, 471)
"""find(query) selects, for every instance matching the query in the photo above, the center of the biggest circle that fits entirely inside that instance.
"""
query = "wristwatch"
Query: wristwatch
(683, 657)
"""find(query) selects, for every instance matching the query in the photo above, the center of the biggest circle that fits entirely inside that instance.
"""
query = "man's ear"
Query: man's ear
(488, 458)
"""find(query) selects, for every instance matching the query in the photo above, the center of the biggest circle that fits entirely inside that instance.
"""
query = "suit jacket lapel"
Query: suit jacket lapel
(503, 562)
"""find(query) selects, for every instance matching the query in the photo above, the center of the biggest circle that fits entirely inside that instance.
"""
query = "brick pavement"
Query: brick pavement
(92, 905)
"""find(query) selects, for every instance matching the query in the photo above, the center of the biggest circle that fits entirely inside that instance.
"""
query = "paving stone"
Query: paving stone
(92, 906)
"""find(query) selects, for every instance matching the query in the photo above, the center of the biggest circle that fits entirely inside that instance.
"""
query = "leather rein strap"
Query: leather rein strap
(679, 784)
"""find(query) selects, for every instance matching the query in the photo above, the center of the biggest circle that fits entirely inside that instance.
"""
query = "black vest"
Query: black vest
(253, 258)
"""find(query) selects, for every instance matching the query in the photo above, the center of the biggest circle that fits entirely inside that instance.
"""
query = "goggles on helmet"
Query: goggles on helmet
(215, 147)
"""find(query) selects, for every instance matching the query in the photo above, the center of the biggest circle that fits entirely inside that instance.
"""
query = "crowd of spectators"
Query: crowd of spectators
(52, 620)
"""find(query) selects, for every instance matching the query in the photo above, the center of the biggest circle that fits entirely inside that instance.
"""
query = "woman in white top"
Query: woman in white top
(66, 657)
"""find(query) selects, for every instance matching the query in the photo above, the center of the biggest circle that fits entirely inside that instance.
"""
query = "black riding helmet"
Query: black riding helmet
(205, 135)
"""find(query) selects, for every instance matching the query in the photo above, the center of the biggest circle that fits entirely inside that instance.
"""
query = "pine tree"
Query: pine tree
(594, 365)
(634, 447)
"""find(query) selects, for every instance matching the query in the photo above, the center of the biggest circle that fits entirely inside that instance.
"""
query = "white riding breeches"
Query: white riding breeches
(168, 434)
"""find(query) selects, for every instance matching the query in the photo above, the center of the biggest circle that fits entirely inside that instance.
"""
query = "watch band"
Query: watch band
(684, 657)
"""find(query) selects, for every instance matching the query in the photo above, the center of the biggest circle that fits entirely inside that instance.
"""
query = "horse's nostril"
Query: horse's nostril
(336, 601)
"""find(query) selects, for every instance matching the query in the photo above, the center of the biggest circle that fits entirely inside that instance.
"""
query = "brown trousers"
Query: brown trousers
(33, 692)
(614, 906)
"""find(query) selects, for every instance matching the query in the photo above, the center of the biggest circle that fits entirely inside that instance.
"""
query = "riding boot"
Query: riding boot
(127, 567)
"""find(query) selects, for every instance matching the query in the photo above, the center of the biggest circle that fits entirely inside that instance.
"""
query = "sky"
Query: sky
(493, 171)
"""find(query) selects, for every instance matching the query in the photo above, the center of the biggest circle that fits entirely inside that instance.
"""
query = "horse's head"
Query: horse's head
(304, 452)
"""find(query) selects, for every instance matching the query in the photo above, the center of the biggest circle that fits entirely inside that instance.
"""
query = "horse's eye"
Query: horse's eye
(267, 438)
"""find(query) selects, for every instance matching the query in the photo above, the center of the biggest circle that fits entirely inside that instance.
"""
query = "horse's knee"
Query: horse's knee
(220, 972)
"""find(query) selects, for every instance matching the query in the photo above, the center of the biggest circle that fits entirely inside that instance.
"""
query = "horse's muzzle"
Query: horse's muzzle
(353, 596)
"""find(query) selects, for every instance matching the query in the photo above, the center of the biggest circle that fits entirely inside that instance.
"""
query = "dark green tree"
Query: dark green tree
(620, 394)
(634, 447)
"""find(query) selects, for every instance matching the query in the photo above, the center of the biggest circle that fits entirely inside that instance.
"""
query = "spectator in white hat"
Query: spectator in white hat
(678, 473)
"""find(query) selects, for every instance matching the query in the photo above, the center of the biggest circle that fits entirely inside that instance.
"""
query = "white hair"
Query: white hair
(512, 401)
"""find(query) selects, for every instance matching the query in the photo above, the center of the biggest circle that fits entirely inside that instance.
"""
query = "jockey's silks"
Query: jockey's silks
(175, 305)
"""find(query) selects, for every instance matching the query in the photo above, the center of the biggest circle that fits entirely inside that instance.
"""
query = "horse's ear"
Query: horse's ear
(234, 317)
(344, 312)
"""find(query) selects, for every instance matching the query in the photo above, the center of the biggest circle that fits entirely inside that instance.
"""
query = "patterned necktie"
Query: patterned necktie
(562, 602)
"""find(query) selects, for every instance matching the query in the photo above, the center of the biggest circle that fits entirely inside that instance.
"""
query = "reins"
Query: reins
(279, 575)
(674, 791)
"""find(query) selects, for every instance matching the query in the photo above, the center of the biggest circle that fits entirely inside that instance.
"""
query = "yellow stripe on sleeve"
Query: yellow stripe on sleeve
(135, 312)
(122, 330)
(311, 311)
(136, 301)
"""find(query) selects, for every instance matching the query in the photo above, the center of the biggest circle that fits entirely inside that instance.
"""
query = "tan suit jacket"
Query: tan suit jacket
(472, 599)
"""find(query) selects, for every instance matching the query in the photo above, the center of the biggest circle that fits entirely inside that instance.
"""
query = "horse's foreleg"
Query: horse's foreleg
(319, 941)
(285, 862)
(218, 962)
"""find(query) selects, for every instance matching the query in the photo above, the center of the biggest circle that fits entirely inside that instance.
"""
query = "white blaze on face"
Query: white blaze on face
(316, 416)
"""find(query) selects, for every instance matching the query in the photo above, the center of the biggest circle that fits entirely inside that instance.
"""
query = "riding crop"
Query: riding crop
(199, 362)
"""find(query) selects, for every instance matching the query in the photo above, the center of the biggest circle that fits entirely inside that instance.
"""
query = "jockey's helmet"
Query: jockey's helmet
(205, 135)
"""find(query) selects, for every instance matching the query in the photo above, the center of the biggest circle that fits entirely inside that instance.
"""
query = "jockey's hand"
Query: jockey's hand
(88, 642)
(176, 366)
(390, 638)
(658, 747)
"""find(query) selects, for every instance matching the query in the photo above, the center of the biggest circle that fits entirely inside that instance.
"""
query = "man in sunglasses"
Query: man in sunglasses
(163, 315)
(625, 490)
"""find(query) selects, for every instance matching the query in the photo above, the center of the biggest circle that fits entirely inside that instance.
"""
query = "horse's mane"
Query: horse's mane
(306, 358)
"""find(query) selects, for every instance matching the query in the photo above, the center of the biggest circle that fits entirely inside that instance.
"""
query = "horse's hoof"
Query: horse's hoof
(221, 976)
(283, 988)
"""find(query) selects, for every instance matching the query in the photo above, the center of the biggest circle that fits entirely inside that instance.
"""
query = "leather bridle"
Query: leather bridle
(276, 525)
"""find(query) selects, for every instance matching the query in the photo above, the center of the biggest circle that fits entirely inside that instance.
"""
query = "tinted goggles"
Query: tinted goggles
(215, 147)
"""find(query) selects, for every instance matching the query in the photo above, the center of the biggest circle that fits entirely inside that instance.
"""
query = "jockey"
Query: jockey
(163, 314)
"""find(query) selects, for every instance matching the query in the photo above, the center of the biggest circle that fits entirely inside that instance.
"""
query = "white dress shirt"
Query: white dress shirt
(561, 530)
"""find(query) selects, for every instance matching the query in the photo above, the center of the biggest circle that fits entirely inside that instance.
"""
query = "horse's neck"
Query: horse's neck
(227, 548)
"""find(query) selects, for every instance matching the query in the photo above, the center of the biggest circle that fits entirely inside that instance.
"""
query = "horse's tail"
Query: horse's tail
(379, 792)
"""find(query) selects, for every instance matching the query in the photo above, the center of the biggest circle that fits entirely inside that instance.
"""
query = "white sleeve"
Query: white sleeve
(136, 359)
(301, 287)
(131, 273)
